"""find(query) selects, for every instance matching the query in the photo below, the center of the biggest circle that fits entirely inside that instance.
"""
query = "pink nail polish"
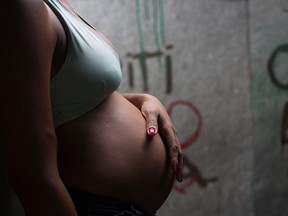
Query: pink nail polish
(152, 130)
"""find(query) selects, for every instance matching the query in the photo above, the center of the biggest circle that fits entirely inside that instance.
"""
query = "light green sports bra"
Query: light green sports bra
(90, 73)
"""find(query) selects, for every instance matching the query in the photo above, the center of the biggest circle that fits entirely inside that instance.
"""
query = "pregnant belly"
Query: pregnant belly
(107, 152)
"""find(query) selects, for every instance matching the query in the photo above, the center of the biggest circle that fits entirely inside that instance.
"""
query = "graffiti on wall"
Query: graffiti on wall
(142, 59)
(280, 84)
(192, 174)
(163, 54)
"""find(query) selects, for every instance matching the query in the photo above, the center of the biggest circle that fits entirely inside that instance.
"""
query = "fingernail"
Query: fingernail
(152, 130)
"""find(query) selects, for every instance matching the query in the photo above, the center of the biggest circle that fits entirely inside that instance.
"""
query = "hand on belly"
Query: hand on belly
(108, 152)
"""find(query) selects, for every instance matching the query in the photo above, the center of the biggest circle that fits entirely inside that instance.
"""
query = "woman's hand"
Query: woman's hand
(157, 118)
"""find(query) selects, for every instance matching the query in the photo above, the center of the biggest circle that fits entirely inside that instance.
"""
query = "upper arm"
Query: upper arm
(27, 130)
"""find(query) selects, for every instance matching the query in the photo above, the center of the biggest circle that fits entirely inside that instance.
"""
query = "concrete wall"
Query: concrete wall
(269, 35)
(220, 68)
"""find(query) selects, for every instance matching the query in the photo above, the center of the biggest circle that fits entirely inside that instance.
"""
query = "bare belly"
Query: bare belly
(107, 152)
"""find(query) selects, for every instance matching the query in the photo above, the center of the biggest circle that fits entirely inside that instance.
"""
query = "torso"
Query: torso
(107, 151)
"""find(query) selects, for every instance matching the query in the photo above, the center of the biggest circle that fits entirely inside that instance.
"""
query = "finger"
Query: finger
(179, 175)
(178, 170)
(177, 162)
(175, 152)
(151, 123)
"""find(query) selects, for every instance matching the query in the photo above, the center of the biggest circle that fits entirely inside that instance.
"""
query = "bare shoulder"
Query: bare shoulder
(24, 19)
(28, 41)
(25, 9)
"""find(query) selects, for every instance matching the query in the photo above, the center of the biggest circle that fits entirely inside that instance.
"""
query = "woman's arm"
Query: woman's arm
(157, 117)
(28, 43)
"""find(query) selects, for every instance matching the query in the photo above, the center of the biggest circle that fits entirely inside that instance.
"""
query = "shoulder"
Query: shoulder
(31, 32)
(25, 9)
(28, 42)
(24, 19)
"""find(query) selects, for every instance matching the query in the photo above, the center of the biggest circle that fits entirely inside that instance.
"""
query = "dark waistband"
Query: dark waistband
(86, 203)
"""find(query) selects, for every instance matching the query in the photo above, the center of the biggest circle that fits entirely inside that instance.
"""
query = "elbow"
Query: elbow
(27, 184)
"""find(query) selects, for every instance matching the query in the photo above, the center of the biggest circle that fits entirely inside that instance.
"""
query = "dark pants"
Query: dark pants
(88, 204)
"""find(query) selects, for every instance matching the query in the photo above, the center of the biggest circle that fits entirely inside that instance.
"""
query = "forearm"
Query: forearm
(137, 98)
(45, 198)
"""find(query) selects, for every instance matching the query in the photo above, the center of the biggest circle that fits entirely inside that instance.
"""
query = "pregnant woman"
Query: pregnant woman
(74, 145)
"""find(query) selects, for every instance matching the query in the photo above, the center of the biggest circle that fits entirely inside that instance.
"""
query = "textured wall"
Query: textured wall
(269, 43)
(220, 68)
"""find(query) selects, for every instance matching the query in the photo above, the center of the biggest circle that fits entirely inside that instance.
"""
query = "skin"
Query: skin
(32, 54)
